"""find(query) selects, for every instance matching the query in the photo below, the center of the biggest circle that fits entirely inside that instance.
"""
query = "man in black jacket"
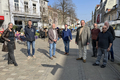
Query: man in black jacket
(30, 37)
(103, 44)
(111, 30)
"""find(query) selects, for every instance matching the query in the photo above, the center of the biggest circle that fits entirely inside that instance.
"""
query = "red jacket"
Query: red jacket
(94, 33)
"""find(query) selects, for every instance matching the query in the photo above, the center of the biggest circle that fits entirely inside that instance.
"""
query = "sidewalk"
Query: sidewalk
(61, 68)
(77, 70)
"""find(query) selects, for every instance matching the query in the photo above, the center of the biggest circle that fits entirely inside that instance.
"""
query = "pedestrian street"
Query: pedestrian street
(64, 67)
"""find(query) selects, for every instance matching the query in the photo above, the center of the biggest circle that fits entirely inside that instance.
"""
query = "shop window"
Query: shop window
(18, 22)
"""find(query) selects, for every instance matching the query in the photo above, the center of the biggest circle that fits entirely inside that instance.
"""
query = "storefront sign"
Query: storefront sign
(1, 17)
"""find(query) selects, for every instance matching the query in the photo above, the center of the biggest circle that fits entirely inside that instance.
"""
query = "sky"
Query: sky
(84, 8)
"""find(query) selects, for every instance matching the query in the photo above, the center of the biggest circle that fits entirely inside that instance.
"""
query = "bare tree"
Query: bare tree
(72, 14)
(65, 7)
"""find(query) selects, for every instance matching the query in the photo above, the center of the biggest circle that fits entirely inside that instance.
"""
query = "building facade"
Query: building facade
(4, 14)
(23, 10)
(100, 10)
(111, 14)
(53, 16)
(44, 13)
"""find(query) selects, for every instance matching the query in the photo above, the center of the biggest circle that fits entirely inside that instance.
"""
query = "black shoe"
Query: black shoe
(103, 66)
(15, 64)
(93, 56)
(10, 63)
(94, 64)
(112, 60)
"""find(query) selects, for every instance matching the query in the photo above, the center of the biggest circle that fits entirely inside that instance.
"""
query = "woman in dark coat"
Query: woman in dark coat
(9, 43)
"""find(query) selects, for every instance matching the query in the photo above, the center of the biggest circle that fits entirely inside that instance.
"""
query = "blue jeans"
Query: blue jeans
(111, 52)
(52, 47)
(66, 43)
(58, 38)
(100, 52)
(28, 47)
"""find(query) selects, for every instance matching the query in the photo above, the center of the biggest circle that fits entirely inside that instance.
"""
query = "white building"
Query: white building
(23, 10)
(44, 12)
(4, 14)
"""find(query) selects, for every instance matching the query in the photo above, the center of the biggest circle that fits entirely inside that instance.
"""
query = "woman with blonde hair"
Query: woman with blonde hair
(9, 43)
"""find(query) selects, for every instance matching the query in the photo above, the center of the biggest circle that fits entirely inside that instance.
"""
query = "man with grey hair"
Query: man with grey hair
(103, 44)
(94, 33)
(111, 30)
(82, 40)
(53, 36)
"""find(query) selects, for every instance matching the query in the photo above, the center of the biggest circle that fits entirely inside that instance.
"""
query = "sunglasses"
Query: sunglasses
(104, 28)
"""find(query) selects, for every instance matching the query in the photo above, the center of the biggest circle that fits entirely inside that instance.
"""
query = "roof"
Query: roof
(97, 5)
(46, 0)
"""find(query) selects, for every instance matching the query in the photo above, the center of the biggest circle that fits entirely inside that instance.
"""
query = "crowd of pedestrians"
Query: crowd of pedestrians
(102, 42)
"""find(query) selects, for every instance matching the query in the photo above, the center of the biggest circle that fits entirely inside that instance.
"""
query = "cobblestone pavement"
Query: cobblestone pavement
(60, 68)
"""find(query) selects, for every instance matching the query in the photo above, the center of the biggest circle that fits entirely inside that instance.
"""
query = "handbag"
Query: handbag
(4, 47)
(1, 40)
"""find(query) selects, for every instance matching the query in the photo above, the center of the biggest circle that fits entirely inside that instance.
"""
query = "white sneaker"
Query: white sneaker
(28, 57)
(34, 56)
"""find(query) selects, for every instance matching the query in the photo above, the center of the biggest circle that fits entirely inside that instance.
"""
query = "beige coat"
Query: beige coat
(85, 36)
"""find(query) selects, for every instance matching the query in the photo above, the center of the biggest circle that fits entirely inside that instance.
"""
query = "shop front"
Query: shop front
(1, 23)
(21, 22)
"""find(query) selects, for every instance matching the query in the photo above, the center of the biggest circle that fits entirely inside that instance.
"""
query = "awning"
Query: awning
(1, 17)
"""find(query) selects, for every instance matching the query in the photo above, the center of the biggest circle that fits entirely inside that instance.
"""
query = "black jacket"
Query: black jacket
(30, 33)
(5, 36)
(111, 30)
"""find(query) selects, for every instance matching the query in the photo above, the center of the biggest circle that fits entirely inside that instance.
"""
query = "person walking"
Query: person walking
(30, 37)
(9, 44)
(103, 44)
(111, 30)
(67, 37)
(58, 31)
(53, 36)
(17, 34)
(94, 33)
(82, 40)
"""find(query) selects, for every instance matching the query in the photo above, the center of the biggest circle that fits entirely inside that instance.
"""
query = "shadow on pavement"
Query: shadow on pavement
(45, 52)
(55, 67)
(59, 51)
(6, 56)
(23, 50)
(22, 42)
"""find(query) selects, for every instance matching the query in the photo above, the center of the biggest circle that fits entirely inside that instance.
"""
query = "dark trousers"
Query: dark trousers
(111, 53)
(94, 48)
(11, 58)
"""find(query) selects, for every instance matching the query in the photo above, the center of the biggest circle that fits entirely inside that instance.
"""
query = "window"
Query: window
(40, 9)
(43, 9)
(112, 16)
(109, 18)
(16, 4)
(119, 2)
(26, 6)
(34, 8)
(118, 27)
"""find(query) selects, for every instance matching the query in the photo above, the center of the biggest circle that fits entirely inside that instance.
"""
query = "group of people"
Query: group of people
(102, 42)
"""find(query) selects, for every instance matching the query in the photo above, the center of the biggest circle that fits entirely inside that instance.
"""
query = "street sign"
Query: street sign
(1, 17)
